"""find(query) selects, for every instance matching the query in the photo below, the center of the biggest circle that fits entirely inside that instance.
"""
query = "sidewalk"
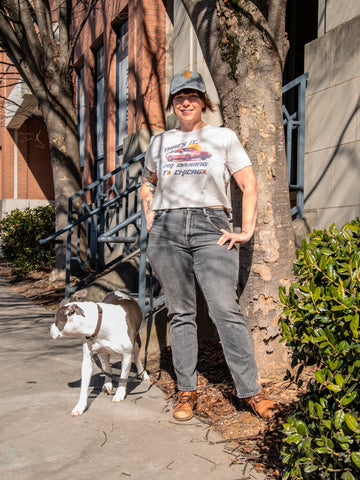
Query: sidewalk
(136, 439)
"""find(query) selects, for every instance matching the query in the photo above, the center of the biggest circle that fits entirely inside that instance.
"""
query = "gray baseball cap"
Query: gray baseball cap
(187, 79)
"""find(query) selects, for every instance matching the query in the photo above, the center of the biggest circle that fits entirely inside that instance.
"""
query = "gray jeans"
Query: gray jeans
(183, 246)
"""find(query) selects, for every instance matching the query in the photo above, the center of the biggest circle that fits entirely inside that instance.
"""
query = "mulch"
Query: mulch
(245, 436)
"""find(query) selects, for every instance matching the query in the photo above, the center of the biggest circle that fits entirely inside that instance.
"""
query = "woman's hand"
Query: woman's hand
(233, 238)
(245, 178)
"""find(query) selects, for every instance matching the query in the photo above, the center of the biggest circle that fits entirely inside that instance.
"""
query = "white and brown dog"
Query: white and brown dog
(110, 327)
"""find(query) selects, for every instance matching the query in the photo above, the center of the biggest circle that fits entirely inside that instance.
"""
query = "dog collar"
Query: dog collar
(98, 326)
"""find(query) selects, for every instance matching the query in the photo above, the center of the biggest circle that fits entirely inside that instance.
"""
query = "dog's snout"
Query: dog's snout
(54, 332)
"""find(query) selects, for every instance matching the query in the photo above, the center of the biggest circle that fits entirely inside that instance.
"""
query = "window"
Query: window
(121, 87)
(99, 112)
(81, 113)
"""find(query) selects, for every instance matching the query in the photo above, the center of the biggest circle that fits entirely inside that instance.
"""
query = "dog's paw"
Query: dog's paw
(119, 395)
(145, 375)
(78, 410)
(107, 388)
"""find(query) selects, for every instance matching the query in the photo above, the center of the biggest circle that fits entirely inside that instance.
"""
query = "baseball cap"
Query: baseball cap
(187, 79)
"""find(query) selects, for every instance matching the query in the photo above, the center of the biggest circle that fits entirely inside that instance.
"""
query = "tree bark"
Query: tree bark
(244, 45)
(65, 162)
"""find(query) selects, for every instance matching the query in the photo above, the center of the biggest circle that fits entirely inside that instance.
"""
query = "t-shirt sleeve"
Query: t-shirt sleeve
(236, 157)
(150, 162)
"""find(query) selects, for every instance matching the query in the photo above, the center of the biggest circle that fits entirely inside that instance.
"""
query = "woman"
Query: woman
(183, 190)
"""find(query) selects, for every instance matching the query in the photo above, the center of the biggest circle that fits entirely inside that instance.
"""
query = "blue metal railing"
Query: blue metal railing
(111, 237)
(100, 221)
(294, 125)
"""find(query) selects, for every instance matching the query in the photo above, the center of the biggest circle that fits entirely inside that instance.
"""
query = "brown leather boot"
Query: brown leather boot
(185, 403)
(261, 405)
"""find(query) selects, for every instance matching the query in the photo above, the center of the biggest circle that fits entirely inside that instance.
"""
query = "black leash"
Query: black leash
(150, 317)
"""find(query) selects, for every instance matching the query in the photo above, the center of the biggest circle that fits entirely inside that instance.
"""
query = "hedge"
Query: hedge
(20, 232)
(320, 325)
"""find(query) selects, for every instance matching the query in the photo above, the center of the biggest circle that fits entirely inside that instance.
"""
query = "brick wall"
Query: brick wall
(25, 168)
(152, 71)
(8, 77)
(146, 59)
(7, 164)
(146, 19)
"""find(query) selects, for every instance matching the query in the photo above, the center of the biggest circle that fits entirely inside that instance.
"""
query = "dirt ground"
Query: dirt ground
(248, 437)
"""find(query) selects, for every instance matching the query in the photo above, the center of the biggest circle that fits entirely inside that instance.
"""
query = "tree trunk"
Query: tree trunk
(60, 121)
(245, 56)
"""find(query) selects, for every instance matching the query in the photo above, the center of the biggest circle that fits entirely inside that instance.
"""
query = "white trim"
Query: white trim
(19, 106)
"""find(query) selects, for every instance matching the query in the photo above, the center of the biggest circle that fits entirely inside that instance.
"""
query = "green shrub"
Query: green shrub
(20, 232)
(320, 324)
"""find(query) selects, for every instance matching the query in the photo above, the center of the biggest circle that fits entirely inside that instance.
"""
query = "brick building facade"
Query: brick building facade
(120, 70)
(119, 81)
(25, 168)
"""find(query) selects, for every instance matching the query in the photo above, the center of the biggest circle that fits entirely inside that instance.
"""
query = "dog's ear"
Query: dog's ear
(74, 309)
(61, 318)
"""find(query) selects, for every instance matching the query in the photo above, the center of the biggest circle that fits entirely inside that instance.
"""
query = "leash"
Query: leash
(150, 317)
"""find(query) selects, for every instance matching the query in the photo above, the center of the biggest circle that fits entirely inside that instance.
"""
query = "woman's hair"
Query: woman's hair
(202, 95)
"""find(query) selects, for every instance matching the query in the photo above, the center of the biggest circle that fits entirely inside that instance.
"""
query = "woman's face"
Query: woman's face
(188, 107)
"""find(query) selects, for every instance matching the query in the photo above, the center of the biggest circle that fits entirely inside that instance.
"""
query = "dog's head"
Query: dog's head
(64, 319)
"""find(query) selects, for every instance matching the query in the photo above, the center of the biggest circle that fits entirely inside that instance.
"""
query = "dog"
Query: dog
(111, 327)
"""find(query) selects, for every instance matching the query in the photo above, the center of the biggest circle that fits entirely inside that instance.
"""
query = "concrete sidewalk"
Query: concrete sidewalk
(136, 439)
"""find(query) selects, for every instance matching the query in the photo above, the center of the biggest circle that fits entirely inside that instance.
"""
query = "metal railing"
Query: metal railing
(294, 125)
(110, 214)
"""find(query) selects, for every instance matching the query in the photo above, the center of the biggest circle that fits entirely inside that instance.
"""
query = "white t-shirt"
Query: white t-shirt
(194, 168)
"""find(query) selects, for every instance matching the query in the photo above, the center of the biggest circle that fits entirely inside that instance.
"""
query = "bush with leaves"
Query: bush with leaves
(20, 232)
(320, 324)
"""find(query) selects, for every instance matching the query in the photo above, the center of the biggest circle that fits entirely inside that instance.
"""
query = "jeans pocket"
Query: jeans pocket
(158, 214)
(157, 225)
(218, 219)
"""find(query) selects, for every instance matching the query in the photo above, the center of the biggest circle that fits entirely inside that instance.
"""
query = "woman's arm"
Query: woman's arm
(147, 190)
(245, 178)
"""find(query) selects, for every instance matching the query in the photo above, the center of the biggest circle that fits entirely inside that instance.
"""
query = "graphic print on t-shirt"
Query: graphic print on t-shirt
(186, 159)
